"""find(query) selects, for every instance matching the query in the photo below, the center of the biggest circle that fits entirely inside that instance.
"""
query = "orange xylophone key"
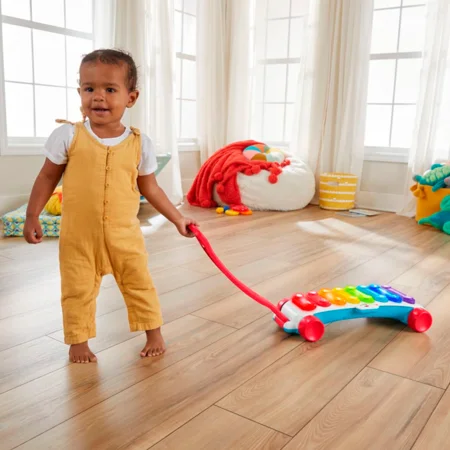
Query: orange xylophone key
(333, 297)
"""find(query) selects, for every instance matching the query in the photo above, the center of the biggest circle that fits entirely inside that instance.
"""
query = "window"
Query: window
(185, 47)
(42, 45)
(278, 46)
(394, 78)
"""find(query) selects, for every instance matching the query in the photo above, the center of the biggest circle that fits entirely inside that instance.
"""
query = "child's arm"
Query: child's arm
(149, 188)
(43, 188)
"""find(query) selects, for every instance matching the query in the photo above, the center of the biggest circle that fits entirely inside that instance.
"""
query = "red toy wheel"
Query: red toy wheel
(281, 303)
(311, 328)
(419, 320)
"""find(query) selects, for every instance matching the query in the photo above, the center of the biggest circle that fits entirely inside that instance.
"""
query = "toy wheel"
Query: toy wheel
(419, 320)
(311, 328)
(281, 303)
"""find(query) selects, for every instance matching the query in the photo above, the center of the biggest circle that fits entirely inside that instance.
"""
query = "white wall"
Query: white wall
(190, 165)
(382, 183)
(17, 175)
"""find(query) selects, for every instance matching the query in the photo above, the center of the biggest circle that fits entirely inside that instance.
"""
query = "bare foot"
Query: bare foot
(81, 353)
(155, 345)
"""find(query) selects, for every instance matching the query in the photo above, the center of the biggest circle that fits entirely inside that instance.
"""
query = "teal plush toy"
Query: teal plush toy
(438, 177)
(441, 219)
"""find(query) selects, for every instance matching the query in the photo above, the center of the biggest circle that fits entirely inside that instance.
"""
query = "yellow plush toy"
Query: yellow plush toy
(54, 205)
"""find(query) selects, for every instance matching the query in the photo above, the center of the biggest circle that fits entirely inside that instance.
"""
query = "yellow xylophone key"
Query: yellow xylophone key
(348, 297)
(332, 297)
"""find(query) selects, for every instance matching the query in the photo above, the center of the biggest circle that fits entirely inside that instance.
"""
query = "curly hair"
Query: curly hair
(116, 57)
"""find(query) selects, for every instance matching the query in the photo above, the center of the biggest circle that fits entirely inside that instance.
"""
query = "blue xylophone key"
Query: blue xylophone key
(391, 296)
(376, 295)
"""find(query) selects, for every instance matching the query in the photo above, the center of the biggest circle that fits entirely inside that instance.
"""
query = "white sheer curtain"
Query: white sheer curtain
(332, 87)
(223, 60)
(145, 29)
(431, 141)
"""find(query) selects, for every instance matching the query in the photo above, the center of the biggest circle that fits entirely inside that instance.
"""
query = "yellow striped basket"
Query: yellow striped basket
(337, 191)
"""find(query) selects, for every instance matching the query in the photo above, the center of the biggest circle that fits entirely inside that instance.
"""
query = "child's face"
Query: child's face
(104, 92)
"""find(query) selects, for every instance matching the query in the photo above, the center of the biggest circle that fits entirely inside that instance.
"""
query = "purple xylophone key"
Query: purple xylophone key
(406, 298)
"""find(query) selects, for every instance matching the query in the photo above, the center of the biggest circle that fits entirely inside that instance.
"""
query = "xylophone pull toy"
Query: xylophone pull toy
(307, 313)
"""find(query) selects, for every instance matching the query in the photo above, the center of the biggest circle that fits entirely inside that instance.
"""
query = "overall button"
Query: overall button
(106, 217)
(108, 168)
(107, 184)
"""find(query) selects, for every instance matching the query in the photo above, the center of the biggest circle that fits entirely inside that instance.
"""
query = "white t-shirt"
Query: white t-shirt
(59, 142)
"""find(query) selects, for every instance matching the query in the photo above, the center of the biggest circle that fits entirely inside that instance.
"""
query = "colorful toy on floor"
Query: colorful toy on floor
(54, 204)
(234, 210)
(441, 219)
(307, 313)
(438, 176)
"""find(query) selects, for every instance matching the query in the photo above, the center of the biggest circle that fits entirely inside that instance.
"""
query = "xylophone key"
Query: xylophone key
(350, 298)
(362, 296)
(405, 298)
(315, 298)
(301, 302)
(374, 295)
(332, 297)
(392, 297)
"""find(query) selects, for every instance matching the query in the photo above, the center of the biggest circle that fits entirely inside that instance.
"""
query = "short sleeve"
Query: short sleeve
(58, 144)
(148, 164)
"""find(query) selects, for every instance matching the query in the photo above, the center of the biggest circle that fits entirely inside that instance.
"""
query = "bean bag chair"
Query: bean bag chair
(252, 174)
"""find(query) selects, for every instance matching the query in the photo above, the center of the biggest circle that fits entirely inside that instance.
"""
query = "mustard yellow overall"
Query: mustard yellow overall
(100, 234)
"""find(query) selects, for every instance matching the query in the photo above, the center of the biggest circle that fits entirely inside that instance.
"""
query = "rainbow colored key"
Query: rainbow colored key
(375, 295)
(405, 298)
(391, 296)
(300, 301)
(333, 298)
(365, 297)
(349, 297)
(315, 298)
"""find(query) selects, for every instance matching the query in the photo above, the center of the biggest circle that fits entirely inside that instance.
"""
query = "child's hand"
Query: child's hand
(183, 226)
(32, 231)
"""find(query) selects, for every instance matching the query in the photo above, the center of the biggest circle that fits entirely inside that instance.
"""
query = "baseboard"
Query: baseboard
(380, 201)
(11, 202)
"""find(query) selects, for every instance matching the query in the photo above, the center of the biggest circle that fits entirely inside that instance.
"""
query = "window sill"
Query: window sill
(188, 146)
(23, 150)
(387, 154)
(37, 149)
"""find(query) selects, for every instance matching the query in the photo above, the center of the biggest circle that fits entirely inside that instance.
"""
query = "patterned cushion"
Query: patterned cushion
(14, 221)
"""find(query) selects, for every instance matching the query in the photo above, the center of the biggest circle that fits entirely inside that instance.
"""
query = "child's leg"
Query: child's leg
(80, 284)
(134, 281)
(141, 298)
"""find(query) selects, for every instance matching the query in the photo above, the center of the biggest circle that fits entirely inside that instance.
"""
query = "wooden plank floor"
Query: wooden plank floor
(230, 378)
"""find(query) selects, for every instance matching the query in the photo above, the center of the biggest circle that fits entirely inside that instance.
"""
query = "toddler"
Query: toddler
(106, 168)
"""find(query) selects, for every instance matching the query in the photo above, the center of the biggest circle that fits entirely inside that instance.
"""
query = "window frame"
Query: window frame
(28, 146)
(263, 63)
(184, 144)
(389, 153)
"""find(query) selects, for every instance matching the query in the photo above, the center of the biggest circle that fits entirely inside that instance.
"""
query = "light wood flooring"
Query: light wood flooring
(230, 378)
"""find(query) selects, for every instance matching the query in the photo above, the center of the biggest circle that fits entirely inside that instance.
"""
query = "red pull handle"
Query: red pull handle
(215, 259)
